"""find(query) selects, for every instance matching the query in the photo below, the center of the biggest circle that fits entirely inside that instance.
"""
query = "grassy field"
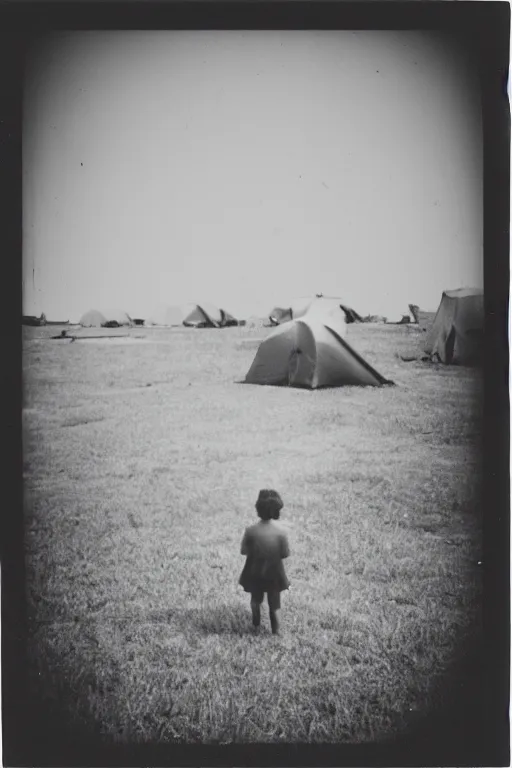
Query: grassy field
(143, 457)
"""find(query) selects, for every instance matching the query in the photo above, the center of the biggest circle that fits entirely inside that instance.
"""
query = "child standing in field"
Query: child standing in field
(265, 545)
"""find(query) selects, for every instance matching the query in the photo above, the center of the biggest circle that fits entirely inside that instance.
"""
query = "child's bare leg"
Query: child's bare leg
(274, 604)
(274, 622)
(256, 615)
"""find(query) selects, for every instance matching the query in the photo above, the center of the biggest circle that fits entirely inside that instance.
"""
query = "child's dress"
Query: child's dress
(265, 546)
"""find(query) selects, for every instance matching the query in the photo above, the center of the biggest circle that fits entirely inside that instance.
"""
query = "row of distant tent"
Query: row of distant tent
(307, 347)
(204, 316)
(209, 316)
(189, 315)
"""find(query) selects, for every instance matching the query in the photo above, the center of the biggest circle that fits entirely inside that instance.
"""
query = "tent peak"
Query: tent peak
(461, 293)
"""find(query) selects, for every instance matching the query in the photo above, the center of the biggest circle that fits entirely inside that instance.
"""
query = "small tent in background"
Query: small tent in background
(327, 311)
(170, 315)
(351, 315)
(33, 320)
(92, 319)
(328, 303)
(228, 320)
(404, 320)
(321, 307)
(414, 310)
(456, 335)
(117, 317)
(299, 307)
(425, 319)
(107, 319)
(204, 316)
(209, 316)
(308, 353)
(192, 316)
(280, 315)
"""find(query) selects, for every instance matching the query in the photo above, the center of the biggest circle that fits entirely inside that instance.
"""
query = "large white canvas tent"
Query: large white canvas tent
(456, 335)
(309, 353)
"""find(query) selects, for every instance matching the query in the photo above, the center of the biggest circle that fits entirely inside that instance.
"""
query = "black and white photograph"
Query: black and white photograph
(253, 404)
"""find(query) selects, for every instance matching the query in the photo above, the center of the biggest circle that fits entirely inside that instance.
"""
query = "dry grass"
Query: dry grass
(142, 465)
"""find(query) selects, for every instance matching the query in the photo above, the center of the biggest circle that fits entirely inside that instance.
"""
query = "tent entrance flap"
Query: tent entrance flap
(302, 361)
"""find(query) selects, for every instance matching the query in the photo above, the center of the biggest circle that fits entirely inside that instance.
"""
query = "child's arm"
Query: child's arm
(243, 548)
(285, 547)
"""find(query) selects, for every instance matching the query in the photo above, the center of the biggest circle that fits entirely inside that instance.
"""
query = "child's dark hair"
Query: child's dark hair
(269, 505)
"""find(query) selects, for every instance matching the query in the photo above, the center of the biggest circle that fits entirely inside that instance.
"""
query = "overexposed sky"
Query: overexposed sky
(248, 168)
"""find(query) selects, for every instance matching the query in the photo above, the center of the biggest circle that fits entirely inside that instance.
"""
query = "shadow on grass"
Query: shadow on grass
(219, 620)
(326, 387)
